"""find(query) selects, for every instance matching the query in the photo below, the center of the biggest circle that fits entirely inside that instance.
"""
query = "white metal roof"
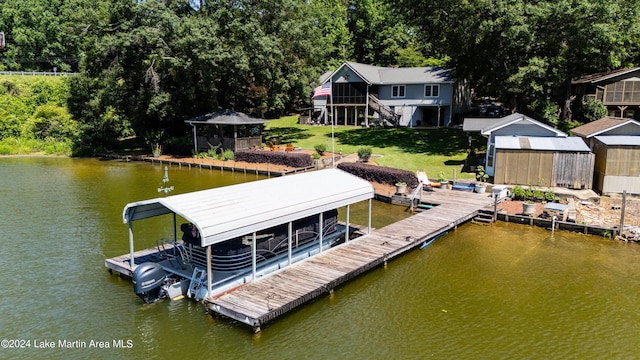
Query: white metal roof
(624, 140)
(227, 212)
(575, 144)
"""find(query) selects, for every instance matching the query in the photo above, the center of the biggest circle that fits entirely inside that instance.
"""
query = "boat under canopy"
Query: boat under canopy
(226, 213)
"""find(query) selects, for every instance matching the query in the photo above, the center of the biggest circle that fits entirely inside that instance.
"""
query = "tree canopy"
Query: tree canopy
(519, 50)
(146, 66)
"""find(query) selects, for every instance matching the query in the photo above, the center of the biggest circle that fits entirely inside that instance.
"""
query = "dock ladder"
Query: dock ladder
(197, 281)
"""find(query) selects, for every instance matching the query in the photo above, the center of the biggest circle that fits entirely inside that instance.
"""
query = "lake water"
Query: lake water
(500, 291)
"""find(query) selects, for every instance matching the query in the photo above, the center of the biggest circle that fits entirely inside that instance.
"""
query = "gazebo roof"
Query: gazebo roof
(226, 117)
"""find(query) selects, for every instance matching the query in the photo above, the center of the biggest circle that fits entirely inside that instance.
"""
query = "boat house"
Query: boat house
(235, 234)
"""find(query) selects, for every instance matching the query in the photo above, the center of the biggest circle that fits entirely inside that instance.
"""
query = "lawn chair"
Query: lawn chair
(424, 180)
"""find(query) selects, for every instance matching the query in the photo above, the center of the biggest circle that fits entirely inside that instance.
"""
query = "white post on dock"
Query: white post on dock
(131, 243)
(175, 228)
(346, 234)
(321, 226)
(254, 248)
(369, 219)
(209, 271)
(290, 241)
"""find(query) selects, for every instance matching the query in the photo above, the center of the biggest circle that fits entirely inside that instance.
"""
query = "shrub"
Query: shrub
(228, 154)
(364, 153)
(295, 159)
(320, 149)
(517, 192)
(380, 174)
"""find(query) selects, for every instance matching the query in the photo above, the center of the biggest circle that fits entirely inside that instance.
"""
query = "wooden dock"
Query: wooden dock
(273, 295)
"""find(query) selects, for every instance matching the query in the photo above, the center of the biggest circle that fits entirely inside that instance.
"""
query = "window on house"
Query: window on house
(490, 156)
(626, 92)
(431, 90)
(397, 91)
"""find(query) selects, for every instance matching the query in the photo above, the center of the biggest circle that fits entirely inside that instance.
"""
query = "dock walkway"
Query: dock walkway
(267, 298)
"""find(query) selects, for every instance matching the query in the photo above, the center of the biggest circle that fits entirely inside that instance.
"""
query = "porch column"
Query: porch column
(366, 109)
(195, 138)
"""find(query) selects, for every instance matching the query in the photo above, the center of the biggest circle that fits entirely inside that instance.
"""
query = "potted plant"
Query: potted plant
(482, 177)
(444, 181)
(528, 207)
(401, 187)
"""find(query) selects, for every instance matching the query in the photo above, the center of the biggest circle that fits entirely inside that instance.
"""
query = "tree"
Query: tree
(154, 64)
(521, 50)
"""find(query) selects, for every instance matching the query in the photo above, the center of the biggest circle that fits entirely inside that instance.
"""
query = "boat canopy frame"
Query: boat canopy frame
(225, 213)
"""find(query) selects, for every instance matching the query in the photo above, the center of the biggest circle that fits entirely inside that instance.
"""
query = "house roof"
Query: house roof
(477, 124)
(516, 118)
(572, 144)
(602, 76)
(601, 126)
(379, 75)
(228, 212)
(622, 140)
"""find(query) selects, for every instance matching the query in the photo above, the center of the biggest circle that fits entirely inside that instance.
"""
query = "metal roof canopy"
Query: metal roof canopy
(573, 144)
(228, 212)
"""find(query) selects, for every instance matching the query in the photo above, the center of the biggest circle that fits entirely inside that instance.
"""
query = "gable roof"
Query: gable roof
(518, 118)
(602, 126)
(227, 212)
(603, 76)
(379, 75)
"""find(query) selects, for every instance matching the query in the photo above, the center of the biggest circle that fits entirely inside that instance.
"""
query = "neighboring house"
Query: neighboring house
(616, 144)
(524, 151)
(420, 96)
(618, 90)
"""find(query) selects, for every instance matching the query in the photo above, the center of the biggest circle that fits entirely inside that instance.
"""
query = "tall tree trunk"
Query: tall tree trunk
(565, 110)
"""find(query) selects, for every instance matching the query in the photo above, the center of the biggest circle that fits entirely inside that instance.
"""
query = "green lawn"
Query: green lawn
(433, 150)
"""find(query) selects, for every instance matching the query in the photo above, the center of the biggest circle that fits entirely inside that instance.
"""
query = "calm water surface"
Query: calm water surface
(505, 291)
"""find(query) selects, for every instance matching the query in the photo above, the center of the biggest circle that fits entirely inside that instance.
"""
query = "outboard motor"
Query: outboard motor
(148, 279)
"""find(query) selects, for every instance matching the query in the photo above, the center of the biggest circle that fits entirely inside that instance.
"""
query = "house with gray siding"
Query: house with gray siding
(366, 95)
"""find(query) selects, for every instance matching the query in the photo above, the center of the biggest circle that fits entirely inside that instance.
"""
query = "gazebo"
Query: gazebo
(227, 128)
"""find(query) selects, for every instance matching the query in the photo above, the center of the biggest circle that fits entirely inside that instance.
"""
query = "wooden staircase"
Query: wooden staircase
(389, 117)
(484, 217)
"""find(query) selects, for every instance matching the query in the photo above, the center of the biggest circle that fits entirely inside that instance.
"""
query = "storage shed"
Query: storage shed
(616, 144)
(543, 161)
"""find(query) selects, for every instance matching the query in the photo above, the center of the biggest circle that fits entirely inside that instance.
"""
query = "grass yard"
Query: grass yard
(433, 150)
